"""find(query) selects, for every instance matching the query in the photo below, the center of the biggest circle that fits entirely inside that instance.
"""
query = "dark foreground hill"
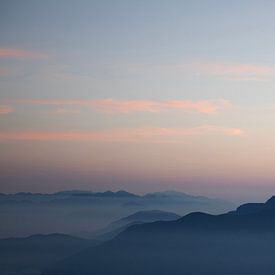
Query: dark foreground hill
(28, 256)
(239, 242)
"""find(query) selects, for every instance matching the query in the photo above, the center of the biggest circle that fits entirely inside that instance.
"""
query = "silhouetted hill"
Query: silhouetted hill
(197, 243)
(252, 208)
(248, 208)
(139, 217)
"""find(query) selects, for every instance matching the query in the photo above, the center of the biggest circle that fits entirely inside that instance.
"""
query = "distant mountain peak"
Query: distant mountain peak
(108, 193)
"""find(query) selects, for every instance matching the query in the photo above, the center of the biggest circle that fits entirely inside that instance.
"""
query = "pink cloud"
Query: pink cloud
(234, 71)
(20, 53)
(203, 106)
(5, 109)
(151, 135)
(110, 105)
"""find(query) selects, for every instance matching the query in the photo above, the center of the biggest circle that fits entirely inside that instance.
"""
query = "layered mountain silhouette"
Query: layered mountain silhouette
(139, 217)
(32, 197)
(106, 194)
(77, 210)
(239, 242)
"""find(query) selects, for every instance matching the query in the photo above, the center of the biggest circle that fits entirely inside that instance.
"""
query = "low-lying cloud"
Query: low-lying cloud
(5, 109)
(145, 134)
(110, 105)
(20, 53)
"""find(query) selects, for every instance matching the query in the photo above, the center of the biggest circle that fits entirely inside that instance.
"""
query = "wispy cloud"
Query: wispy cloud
(234, 71)
(20, 53)
(5, 109)
(110, 105)
(147, 134)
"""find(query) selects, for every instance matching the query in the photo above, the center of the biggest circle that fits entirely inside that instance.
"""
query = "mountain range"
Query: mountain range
(106, 194)
(77, 211)
(237, 242)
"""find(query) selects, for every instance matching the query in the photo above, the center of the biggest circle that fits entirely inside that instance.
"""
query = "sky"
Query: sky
(138, 95)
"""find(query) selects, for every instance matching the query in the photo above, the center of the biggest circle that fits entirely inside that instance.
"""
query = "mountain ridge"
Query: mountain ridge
(222, 244)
